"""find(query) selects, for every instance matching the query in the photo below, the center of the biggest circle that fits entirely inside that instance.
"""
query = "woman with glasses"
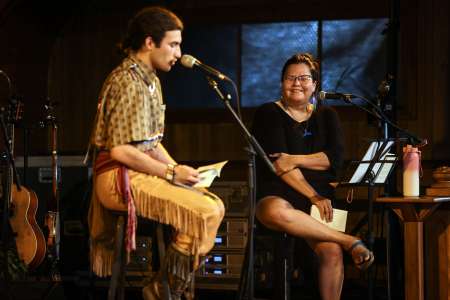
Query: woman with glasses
(306, 144)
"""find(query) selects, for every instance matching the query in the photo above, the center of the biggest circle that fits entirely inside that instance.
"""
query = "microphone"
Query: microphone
(385, 86)
(339, 96)
(189, 61)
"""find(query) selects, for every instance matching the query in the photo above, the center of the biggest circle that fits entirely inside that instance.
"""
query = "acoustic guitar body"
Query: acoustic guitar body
(29, 238)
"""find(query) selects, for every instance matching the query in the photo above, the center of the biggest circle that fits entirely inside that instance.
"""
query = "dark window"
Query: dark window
(216, 46)
(265, 48)
(352, 54)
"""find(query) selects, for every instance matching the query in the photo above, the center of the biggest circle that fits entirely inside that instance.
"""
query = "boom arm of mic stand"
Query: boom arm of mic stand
(251, 139)
(383, 118)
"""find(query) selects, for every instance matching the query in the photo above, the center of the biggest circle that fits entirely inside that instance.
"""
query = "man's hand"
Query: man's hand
(324, 206)
(185, 175)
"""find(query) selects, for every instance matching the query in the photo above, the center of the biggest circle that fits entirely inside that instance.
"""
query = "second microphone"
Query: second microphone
(189, 61)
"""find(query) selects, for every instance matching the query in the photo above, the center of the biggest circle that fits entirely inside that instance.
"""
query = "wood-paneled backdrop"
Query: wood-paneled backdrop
(65, 54)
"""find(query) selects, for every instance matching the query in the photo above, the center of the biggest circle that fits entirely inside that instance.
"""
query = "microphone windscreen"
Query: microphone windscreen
(187, 60)
(322, 95)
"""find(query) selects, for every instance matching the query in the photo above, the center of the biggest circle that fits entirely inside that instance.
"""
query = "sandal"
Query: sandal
(364, 259)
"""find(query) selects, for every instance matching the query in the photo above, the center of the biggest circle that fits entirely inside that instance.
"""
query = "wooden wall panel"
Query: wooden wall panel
(71, 66)
(28, 75)
(82, 56)
(440, 80)
(424, 74)
(437, 254)
(205, 142)
(80, 61)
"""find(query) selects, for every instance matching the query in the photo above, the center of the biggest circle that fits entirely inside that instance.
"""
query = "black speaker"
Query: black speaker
(74, 197)
(232, 234)
(234, 195)
(74, 244)
(37, 176)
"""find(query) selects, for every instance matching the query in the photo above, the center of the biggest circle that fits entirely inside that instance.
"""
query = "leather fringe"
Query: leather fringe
(102, 226)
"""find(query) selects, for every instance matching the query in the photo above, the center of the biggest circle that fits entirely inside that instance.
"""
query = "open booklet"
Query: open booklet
(339, 218)
(208, 173)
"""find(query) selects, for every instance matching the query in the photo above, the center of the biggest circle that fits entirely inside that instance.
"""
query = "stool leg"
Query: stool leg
(282, 268)
(121, 287)
(117, 277)
(162, 262)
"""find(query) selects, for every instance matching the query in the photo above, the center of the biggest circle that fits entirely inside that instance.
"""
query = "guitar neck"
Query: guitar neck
(55, 169)
(8, 134)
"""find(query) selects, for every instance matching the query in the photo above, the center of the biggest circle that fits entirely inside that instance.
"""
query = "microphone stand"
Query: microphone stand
(383, 119)
(391, 221)
(246, 284)
(378, 114)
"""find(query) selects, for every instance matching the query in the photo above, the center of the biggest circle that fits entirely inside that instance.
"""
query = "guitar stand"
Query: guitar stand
(49, 290)
(52, 222)
(7, 235)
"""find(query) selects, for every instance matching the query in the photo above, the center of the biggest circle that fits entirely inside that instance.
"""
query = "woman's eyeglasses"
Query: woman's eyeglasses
(300, 78)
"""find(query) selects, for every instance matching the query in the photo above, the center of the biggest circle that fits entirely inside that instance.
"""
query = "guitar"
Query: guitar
(30, 241)
(23, 205)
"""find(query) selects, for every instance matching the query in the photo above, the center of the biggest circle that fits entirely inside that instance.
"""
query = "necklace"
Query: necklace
(292, 113)
(302, 124)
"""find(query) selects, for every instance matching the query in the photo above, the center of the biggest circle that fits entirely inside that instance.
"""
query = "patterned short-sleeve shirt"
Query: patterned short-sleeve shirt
(130, 108)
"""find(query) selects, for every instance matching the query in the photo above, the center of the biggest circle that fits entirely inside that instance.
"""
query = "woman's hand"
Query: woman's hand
(185, 175)
(284, 163)
(324, 206)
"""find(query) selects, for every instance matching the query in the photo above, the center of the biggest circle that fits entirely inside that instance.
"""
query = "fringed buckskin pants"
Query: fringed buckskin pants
(194, 214)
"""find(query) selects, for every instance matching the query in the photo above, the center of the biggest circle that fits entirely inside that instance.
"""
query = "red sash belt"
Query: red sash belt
(105, 163)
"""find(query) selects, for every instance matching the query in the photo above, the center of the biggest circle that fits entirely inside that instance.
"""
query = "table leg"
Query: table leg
(414, 270)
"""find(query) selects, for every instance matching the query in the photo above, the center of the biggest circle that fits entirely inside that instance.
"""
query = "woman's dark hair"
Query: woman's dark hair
(151, 21)
(303, 58)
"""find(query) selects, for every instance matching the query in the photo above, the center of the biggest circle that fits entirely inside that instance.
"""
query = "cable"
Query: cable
(9, 83)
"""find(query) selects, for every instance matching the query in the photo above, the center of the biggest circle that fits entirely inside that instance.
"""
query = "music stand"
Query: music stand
(373, 170)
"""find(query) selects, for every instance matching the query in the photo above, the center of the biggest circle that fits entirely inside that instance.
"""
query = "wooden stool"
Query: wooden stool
(117, 283)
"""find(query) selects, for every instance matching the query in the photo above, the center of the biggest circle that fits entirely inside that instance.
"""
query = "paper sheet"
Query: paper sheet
(339, 218)
(208, 173)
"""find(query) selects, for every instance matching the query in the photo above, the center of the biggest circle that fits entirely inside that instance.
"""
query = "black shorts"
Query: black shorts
(298, 201)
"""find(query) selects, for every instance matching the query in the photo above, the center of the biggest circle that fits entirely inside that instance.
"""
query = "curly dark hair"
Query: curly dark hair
(151, 21)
